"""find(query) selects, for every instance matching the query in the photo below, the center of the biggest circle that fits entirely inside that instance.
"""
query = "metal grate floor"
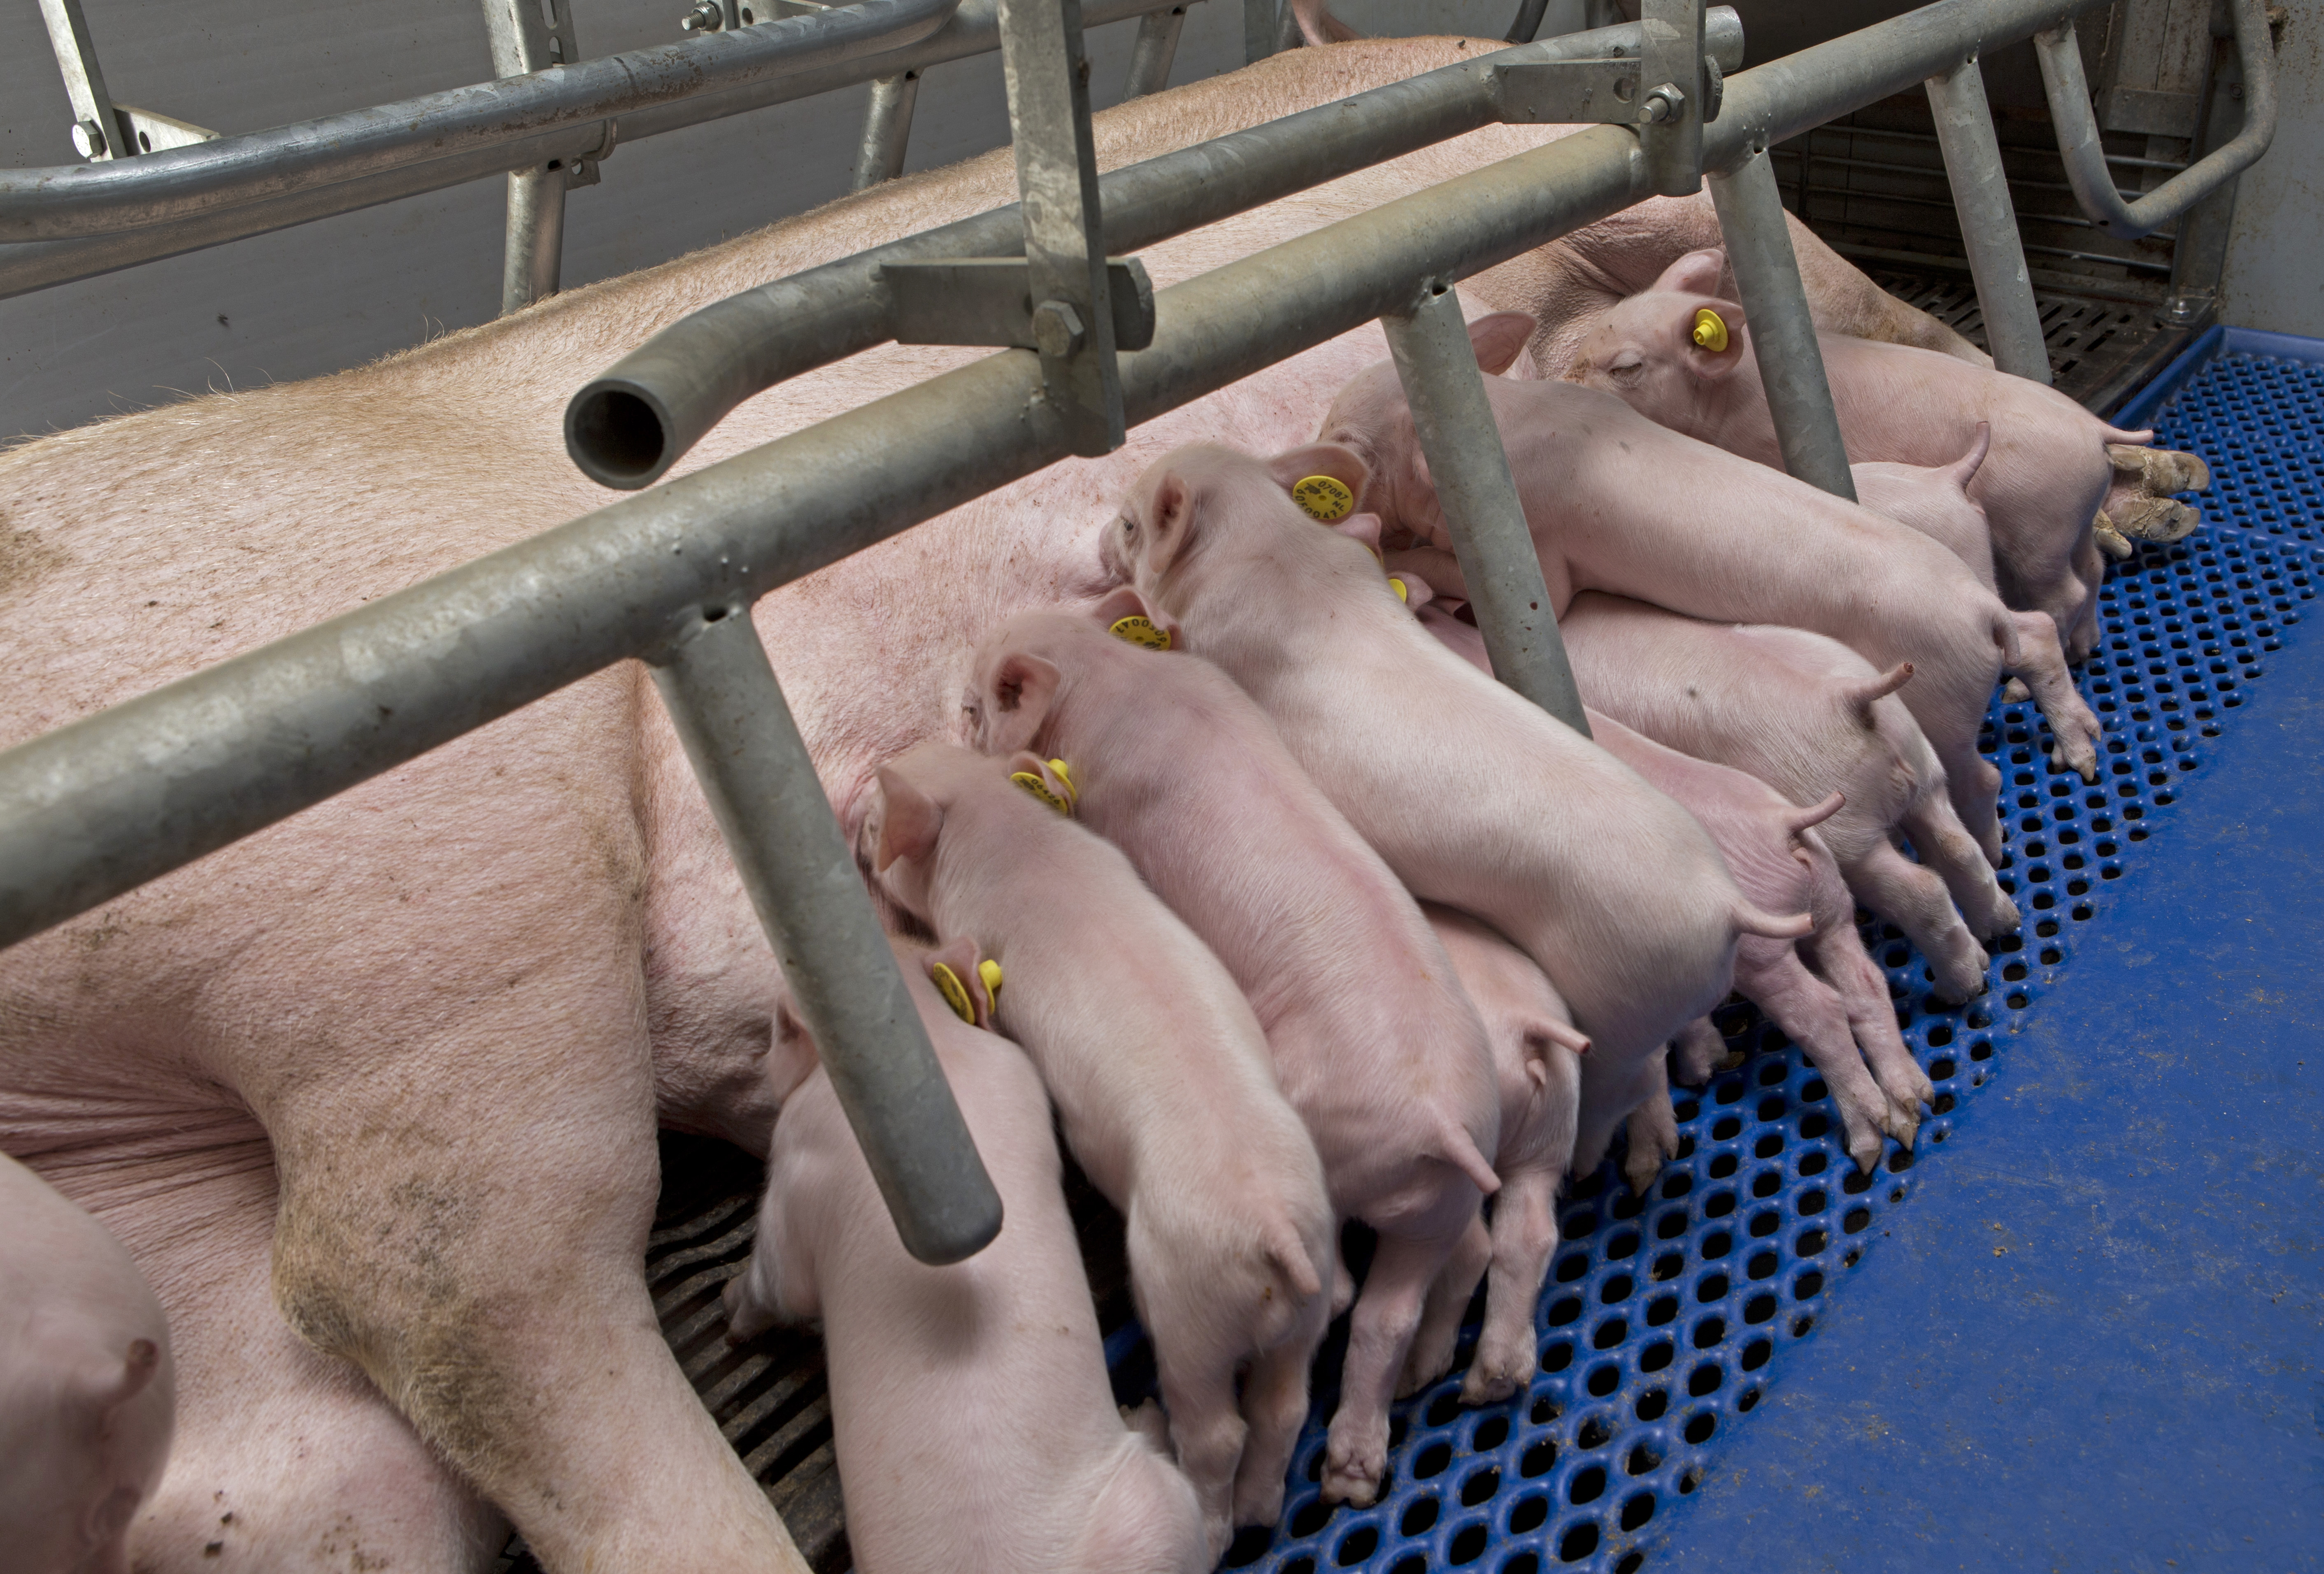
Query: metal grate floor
(1667, 1317)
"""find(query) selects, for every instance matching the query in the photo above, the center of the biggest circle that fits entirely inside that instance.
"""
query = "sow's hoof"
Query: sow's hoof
(2163, 471)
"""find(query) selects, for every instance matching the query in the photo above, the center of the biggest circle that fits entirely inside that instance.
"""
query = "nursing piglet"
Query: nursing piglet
(1809, 717)
(1823, 991)
(1476, 798)
(87, 1389)
(1163, 1085)
(973, 1419)
(1620, 504)
(1679, 354)
(1538, 1057)
(1373, 1041)
(1935, 501)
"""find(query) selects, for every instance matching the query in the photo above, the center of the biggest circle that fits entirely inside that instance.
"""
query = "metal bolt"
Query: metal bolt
(1667, 102)
(706, 16)
(1057, 329)
(89, 140)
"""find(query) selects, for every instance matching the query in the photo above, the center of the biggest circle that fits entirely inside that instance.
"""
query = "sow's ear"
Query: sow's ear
(1123, 611)
(1695, 273)
(909, 820)
(1328, 459)
(1500, 339)
(1023, 684)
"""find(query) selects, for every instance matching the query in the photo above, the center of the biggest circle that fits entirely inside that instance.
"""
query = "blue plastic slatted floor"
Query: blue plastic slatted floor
(1904, 1437)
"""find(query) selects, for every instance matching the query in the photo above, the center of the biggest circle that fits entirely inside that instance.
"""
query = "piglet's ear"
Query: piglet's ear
(1364, 527)
(957, 968)
(1128, 615)
(1330, 462)
(909, 820)
(1500, 339)
(1695, 273)
(1170, 521)
(1023, 686)
(1049, 780)
(1711, 337)
(1414, 593)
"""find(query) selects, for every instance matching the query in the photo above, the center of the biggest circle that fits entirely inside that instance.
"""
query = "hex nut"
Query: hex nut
(89, 139)
(1057, 329)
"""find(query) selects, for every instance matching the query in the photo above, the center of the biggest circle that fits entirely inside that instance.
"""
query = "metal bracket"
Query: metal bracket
(582, 170)
(1047, 73)
(1674, 106)
(1581, 92)
(102, 129)
(989, 300)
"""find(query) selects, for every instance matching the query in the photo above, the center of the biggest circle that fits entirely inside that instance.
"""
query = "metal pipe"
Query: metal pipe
(1989, 222)
(1528, 20)
(180, 183)
(1782, 332)
(1155, 51)
(534, 251)
(626, 427)
(1470, 471)
(2078, 129)
(31, 265)
(754, 768)
(1928, 138)
(887, 130)
(1258, 25)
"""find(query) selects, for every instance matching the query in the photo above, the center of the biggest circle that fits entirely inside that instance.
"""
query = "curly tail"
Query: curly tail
(1459, 1151)
(1859, 696)
(1748, 920)
(1816, 814)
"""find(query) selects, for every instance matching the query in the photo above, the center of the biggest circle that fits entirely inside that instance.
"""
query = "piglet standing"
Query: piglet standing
(1163, 1087)
(86, 1390)
(1475, 799)
(1620, 504)
(1680, 354)
(1537, 1059)
(1809, 717)
(1373, 1041)
(1935, 501)
(974, 1424)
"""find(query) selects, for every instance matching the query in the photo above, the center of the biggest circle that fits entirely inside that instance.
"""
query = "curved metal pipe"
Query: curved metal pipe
(2077, 130)
(186, 183)
(627, 427)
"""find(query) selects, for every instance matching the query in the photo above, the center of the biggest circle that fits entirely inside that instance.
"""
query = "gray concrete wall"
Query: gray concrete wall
(346, 290)
(2275, 277)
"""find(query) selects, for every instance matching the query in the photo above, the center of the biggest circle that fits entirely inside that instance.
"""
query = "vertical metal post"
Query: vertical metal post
(1259, 25)
(97, 129)
(723, 697)
(1989, 221)
(1288, 34)
(1670, 58)
(1528, 20)
(525, 39)
(1157, 49)
(1454, 422)
(1065, 242)
(2198, 251)
(1782, 333)
(887, 130)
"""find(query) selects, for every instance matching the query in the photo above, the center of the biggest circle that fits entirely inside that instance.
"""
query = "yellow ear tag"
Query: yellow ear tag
(989, 971)
(1065, 775)
(1040, 790)
(1136, 630)
(1324, 497)
(954, 992)
(1710, 330)
(1402, 594)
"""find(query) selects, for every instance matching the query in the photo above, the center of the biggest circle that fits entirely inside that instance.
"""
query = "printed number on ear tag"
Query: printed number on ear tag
(1136, 630)
(954, 992)
(1324, 497)
(1710, 330)
(1040, 790)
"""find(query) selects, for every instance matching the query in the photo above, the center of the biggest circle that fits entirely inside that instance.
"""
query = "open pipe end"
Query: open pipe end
(619, 434)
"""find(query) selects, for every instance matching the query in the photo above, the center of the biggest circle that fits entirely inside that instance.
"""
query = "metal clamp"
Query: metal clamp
(1600, 91)
(1064, 239)
(103, 129)
(1673, 109)
(989, 300)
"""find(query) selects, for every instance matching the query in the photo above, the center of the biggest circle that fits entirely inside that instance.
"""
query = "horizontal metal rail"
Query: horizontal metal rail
(2078, 129)
(974, 29)
(627, 427)
(109, 802)
(71, 201)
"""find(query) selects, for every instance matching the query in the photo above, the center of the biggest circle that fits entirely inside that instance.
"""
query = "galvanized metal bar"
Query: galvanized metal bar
(754, 768)
(1528, 20)
(1989, 221)
(523, 40)
(1673, 99)
(1482, 514)
(98, 133)
(182, 183)
(1782, 332)
(626, 427)
(887, 130)
(30, 265)
(2198, 246)
(2077, 126)
(1259, 27)
(1154, 53)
